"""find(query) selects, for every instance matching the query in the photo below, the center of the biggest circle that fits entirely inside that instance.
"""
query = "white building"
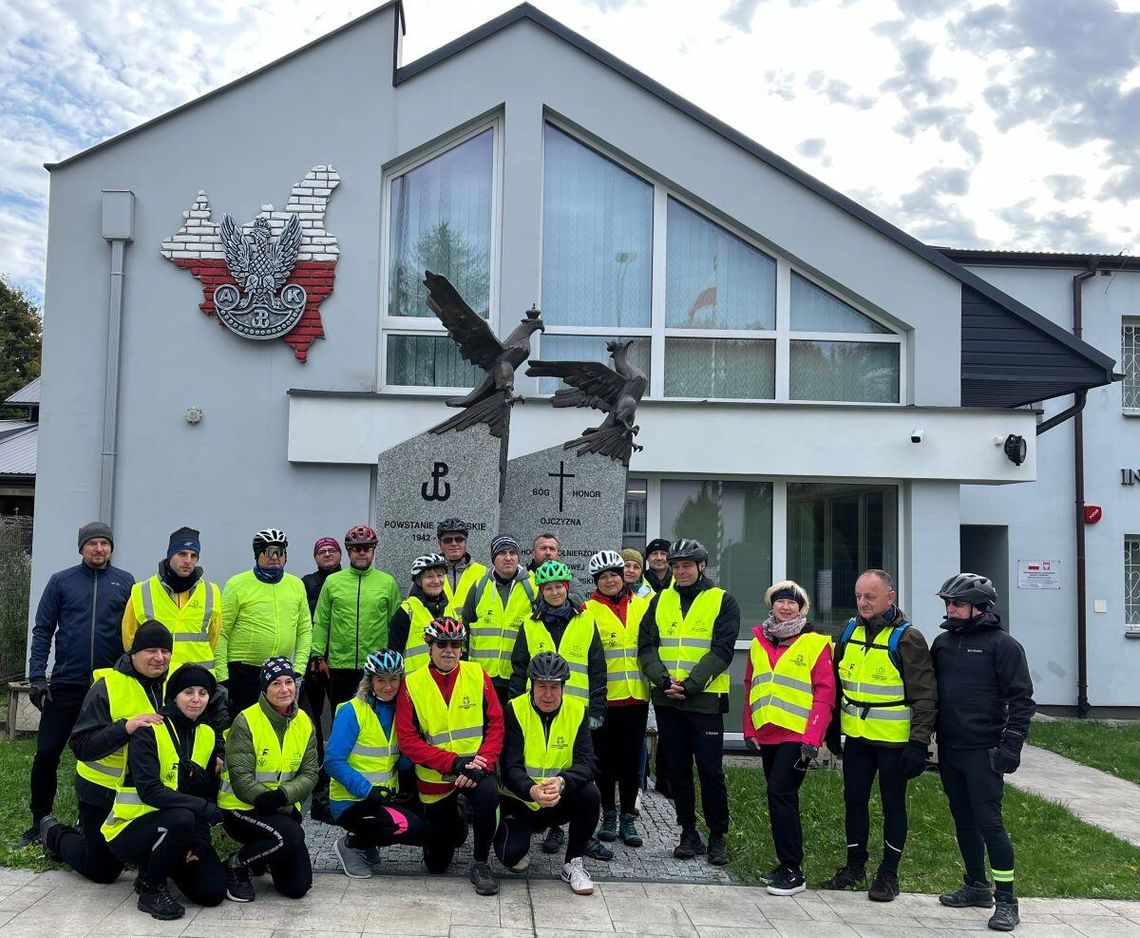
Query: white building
(822, 384)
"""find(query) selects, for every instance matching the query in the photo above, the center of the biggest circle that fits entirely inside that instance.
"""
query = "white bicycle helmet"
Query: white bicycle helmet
(605, 560)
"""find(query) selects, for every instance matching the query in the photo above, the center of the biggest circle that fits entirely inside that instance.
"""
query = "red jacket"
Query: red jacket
(822, 702)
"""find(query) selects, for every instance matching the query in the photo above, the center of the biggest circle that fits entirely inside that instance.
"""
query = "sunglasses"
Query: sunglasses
(450, 644)
(457, 539)
(274, 552)
(360, 548)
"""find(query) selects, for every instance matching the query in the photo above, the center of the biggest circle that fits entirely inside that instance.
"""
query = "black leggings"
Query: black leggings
(87, 853)
(861, 761)
(56, 722)
(447, 824)
(618, 745)
(157, 843)
(313, 696)
(343, 684)
(374, 825)
(784, 781)
(276, 840)
(518, 824)
(975, 791)
(243, 687)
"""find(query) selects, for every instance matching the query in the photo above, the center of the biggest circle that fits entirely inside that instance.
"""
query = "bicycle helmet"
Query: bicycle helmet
(548, 666)
(972, 588)
(452, 526)
(445, 629)
(605, 560)
(269, 537)
(360, 535)
(553, 571)
(427, 562)
(688, 549)
(384, 662)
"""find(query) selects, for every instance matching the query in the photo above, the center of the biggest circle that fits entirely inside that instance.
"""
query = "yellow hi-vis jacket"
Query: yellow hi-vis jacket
(493, 633)
(873, 703)
(127, 699)
(416, 653)
(574, 647)
(276, 762)
(685, 640)
(546, 754)
(194, 625)
(783, 696)
(457, 595)
(624, 679)
(456, 726)
(374, 755)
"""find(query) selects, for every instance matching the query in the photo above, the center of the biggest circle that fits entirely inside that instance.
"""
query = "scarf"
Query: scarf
(268, 574)
(179, 584)
(776, 632)
(554, 616)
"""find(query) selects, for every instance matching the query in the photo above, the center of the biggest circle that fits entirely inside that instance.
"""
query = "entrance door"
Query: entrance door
(985, 550)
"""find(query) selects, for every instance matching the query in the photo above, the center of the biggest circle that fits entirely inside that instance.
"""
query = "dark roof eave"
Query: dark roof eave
(990, 258)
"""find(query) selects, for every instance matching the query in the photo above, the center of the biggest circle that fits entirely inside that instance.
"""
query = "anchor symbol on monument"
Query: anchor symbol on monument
(561, 475)
(439, 470)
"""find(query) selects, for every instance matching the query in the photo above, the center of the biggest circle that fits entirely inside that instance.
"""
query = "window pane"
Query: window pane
(428, 361)
(597, 238)
(816, 310)
(585, 348)
(633, 527)
(441, 221)
(726, 368)
(844, 371)
(713, 280)
(1130, 363)
(834, 533)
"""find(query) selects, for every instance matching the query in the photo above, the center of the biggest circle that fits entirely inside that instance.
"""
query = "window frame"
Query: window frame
(1131, 375)
(1131, 628)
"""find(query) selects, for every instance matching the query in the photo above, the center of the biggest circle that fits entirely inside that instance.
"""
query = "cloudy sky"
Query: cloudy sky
(1010, 125)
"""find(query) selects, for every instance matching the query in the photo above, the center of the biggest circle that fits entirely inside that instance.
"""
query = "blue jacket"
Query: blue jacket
(82, 611)
(345, 729)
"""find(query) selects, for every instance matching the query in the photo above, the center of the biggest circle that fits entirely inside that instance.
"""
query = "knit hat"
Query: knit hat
(152, 634)
(189, 675)
(630, 554)
(323, 542)
(274, 668)
(658, 543)
(94, 529)
(184, 539)
(502, 542)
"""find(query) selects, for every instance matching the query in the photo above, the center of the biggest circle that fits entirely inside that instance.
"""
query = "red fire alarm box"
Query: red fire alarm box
(1093, 514)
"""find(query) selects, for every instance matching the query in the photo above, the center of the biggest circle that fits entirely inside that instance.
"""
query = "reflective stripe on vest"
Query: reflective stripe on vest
(190, 624)
(276, 762)
(127, 699)
(783, 697)
(416, 653)
(685, 639)
(374, 755)
(574, 647)
(458, 596)
(873, 703)
(546, 754)
(624, 679)
(496, 627)
(456, 726)
(128, 805)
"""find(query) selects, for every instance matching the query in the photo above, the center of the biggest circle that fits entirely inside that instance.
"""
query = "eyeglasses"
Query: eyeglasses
(449, 644)
(456, 539)
(328, 550)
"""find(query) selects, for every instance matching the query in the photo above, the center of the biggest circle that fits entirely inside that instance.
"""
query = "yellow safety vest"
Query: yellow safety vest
(458, 596)
(416, 653)
(623, 674)
(127, 699)
(276, 762)
(374, 755)
(190, 624)
(456, 726)
(547, 754)
(783, 696)
(128, 805)
(493, 633)
(874, 703)
(574, 647)
(685, 640)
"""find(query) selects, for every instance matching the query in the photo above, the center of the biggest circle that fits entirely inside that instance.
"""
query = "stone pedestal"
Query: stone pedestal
(580, 499)
(430, 477)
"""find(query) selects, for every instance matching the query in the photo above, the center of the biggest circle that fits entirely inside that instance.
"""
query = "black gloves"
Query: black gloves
(40, 694)
(912, 760)
(459, 767)
(833, 739)
(1007, 756)
(807, 755)
(269, 801)
(380, 794)
(212, 814)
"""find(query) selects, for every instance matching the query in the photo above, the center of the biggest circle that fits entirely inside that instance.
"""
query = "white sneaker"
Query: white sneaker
(522, 865)
(578, 879)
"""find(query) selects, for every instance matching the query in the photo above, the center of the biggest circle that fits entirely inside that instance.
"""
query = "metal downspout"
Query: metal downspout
(1083, 707)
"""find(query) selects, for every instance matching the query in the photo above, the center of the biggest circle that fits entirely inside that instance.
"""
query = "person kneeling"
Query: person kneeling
(548, 766)
(164, 806)
(270, 768)
(362, 760)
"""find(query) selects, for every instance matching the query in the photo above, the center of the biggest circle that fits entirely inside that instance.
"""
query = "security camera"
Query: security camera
(917, 434)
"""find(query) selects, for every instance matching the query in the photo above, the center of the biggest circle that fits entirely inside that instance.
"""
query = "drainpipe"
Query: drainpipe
(1083, 707)
(118, 229)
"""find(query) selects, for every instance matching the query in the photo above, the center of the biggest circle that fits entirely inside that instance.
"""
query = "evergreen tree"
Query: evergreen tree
(21, 332)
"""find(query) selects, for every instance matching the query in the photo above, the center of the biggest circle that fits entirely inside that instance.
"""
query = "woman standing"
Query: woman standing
(791, 692)
(164, 805)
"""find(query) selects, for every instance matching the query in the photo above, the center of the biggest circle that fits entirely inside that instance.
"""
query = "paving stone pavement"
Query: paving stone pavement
(60, 905)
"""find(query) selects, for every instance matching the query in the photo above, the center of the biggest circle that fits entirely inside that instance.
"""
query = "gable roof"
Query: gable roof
(18, 452)
(28, 394)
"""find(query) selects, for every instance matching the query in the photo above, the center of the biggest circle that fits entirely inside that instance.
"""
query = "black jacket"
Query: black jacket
(596, 672)
(984, 687)
(513, 764)
(313, 583)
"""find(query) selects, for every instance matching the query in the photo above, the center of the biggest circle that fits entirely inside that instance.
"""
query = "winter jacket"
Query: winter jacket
(984, 686)
(261, 620)
(81, 610)
(353, 613)
(517, 780)
(822, 695)
(241, 759)
(313, 583)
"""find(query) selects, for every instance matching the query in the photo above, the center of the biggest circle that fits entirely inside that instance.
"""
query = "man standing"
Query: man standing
(353, 613)
(544, 547)
(887, 700)
(326, 553)
(264, 615)
(985, 703)
(685, 646)
(460, 574)
(179, 598)
(657, 573)
(80, 612)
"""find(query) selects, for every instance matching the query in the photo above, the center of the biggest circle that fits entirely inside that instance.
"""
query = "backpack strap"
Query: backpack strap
(841, 644)
(893, 645)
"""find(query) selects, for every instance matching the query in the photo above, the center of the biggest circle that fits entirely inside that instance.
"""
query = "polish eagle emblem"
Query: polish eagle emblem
(260, 304)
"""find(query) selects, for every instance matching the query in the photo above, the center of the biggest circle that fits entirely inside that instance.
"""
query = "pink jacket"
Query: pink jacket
(822, 704)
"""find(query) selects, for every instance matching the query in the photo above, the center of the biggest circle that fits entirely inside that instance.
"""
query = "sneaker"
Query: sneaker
(522, 866)
(239, 884)
(596, 850)
(576, 876)
(786, 882)
(48, 838)
(845, 878)
(766, 878)
(609, 829)
(885, 887)
(29, 837)
(627, 830)
(160, 904)
(718, 850)
(690, 846)
(554, 841)
(979, 895)
(485, 884)
(1005, 917)
(352, 860)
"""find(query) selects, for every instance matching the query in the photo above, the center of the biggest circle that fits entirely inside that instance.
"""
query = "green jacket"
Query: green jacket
(261, 620)
(352, 616)
(241, 760)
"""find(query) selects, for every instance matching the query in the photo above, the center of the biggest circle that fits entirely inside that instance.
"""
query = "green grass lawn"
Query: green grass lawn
(1112, 749)
(1057, 855)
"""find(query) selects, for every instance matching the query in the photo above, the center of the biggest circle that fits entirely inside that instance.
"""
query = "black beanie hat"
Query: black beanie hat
(274, 668)
(152, 634)
(94, 529)
(658, 543)
(184, 539)
(190, 675)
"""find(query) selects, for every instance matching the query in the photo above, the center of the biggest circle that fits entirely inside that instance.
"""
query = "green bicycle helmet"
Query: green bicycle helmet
(553, 571)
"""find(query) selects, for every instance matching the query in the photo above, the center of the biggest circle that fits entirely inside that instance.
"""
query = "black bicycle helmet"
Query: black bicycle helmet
(688, 549)
(548, 666)
(972, 588)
